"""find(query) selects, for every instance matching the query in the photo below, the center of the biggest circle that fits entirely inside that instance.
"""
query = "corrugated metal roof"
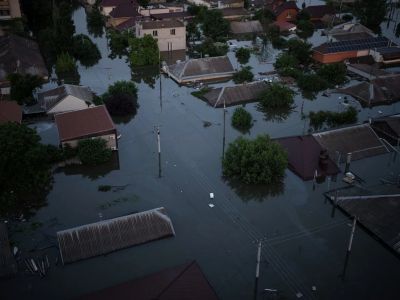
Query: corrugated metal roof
(110, 235)
(246, 27)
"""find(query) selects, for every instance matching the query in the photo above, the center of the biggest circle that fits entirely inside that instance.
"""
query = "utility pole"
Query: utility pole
(257, 270)
(353, 229)
(159, 73)
(159, 150)
(223, 137)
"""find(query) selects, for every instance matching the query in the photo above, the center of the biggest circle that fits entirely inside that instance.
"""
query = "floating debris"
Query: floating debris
(206, 124)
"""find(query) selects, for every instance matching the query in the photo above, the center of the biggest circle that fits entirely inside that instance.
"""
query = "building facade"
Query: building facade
(9, 9)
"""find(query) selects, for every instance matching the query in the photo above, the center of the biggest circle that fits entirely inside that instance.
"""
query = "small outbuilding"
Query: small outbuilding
(246, 27)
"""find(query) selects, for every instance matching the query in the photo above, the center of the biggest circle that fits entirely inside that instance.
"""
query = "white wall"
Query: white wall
(70, 103)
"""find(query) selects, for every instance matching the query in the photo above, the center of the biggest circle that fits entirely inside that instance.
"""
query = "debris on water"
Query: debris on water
(211, 195)
(15, 250)
(299, 295)
(314, 288)
(211, 205)
(206, 124)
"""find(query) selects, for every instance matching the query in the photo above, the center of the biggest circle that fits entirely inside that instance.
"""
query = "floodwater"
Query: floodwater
(304, 241)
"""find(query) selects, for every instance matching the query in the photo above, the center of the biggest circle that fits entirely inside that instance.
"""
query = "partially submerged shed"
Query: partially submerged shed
(184, 282)
(110, 235)
(307, 158)
(235, 95)
(201, 69)
(360, 140)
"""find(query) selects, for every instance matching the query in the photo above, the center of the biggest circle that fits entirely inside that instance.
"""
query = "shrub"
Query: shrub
(299, 49)
(255, 161)
(243, 75)
(143, 51)
(333, 74)
(121, 98)
(85, 50)
(22, 87)
(318, 119)
(243, 55)
(311, 83)
(242, 119)
(212, 49)
(93, 151)
(286, 64)
(277, 96)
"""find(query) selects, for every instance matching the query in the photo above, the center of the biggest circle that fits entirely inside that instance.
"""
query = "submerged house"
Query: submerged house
(287, 11)
(386, 55)
(201, 69)
(319, 14)
(87, 123)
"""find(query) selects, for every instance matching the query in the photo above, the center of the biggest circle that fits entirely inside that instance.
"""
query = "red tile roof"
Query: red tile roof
(283, 25)
(185, 282)
(10, 111)
(83, 123)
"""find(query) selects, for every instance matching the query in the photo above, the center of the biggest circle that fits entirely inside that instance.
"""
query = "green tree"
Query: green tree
(243, 75)
(192, 31)
(199, 11)
(66, 69)
(265, 16)
(93, 151)
(319, 118)
(143, 51)
(277, 96)
(215, 26)
(242, 119)
(25, 176)
(286, 64)
(305, 29)
(212, 48)
(334, 74)
(118, 41)
(303, 15)
(371, 13)
(121, 98)
(310, 84)
(143, 3)
(63, 27)
(95, 21)
(85, 50)
(258, 161)
(299, 49)
(22, 87)
(243, 55)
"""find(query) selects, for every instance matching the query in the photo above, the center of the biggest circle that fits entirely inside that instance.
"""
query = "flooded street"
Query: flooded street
(304, 240)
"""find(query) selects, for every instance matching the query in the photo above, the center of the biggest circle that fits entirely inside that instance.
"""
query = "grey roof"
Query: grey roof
(353, 45)
(48, 99)
(246, 27)
(349, 28)
(196, 68)
(20, 55)
(159, 24)
(235, 95)
(110, 235)
(360, 140)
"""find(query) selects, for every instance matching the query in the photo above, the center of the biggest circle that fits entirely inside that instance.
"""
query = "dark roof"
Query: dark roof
(172, 15)
(185, 282)
(128, 24)
(110, 235)
(235, 95)
(246, 27)
(379, 214)
(360, 140)
(351, 36)
(352, 45)
(389, 126)
(83, 123)
(125, 10)
(304, 157)
(48, 99)
(389, 53)
(234, 11)
(283, 25)
(10, 111)
(285, 6)
(319, 11)
(159, 24)
(107, 3)
(20, 55)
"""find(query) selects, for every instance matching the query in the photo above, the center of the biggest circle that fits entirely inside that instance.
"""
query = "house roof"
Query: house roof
(246, 27)
(110, 3)
(48, 99)
(172, 15)
(283, 25)
(83, 123)
(285, 6)
(319, 11)
(159, 24)
(348, 28)
(184, 282)
(21, 55)
(125, 10)
(10, 111)
(234, 11)
(360, 140)
(352, 45)
(106, 236)
(193, 68)
(389, 53)
(129, 23)
(235, 95)
(389, 126)
(304, 154)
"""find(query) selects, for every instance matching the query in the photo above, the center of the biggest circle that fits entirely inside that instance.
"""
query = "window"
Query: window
(155, 33)
(172, 31)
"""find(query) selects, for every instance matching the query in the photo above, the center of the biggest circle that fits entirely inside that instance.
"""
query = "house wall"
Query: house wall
(230, 5)
(166, 41)
(155, 11)
(200, 2)
(334, 57)
(70, 103)
(111, 140)
(289, 15)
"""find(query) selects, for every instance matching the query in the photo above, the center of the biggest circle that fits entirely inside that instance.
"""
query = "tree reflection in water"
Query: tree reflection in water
(147, 75)
(278, 115)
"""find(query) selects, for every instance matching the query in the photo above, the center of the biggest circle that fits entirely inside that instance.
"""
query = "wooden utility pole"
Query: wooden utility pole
(257, 270)
(353, 229)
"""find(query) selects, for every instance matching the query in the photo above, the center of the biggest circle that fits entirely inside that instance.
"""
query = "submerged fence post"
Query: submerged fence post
(348, 161)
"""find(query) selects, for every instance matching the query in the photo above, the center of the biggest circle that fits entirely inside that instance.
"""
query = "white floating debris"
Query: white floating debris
(299, 295)
(211, 205)
(119, 136)
(15, 250)
(211, 195)
(314, 288)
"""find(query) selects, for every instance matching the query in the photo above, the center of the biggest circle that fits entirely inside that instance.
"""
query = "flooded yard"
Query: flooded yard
(304, 239)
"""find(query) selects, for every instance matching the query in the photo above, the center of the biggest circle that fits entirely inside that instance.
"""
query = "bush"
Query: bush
(277, 96)
(347, 18)
(242, 119)
(286, 64)
(22, 87)
(243, 75)
(255, 161)
(143, 51)
(118, 41)
(311, 83)
(305, 29)
(333, 74)
(121, 98)
(93, 151)
(212, 49)
(66, 69)
(243, 55)
(85, 50)
(318, 119)
(299, 49)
